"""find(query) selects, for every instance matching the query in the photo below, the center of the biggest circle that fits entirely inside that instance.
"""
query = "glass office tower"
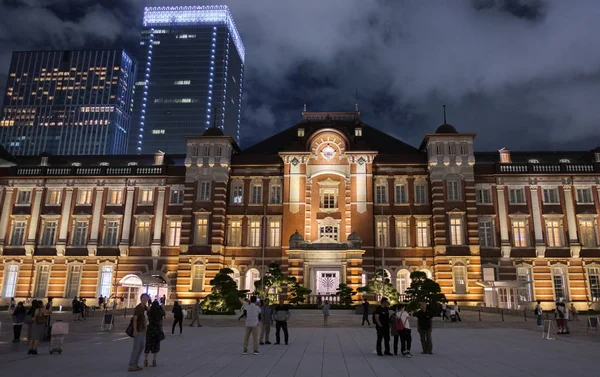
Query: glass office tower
(190, 77)
(68, 102)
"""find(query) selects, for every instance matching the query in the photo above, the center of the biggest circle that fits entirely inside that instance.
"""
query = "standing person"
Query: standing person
(424, 326)
(266, 313)
(196, 313)
(538, 313)
(252, 323)
(122, 300)
(18, 319)
(573, 311)
(445, 312)
(177, 318)
(139, 332)
(243, 310)
(101, 302)
(560, 318)
(163, 300)
(38, 322)
(326, 314)
(457, 311)
(48, 325)
(381, 317)
(282, 315)
(84, 309)
(395, 326)
(76, 308)
(154, 332)
(567, 318)
(365, 307)
(405, 335)
(12, 306)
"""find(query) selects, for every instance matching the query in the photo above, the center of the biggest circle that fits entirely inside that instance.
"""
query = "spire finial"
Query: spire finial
(356, 101)
(444, 114)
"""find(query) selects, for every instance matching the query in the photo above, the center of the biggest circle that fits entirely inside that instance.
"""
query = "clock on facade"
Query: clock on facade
(328, 152)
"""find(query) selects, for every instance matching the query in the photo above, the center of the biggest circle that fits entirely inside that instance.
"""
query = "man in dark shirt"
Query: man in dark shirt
(139, 332)
(381, 317)
(281, 315)
(365, 306)
(424, 316)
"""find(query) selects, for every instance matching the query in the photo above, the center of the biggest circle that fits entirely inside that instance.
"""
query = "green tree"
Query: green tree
(344, 292)
(225, 297)
(298, 293)
(423, 289)
(380, 285)
(273, 282)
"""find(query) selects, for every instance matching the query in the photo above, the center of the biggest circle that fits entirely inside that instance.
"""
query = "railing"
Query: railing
(90, 171)
(547, 168)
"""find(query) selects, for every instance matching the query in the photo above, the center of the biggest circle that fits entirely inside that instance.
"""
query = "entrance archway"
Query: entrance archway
(153, 285)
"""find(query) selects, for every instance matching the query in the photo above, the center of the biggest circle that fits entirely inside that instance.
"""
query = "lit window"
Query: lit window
(594, 282)
(182, 82)
(234, 233)
(456, 230)
(197, 278)
(17, 237)
(24, 197)
(559, 282)
(519, 228)
(402, 281)
(584, 195)
(111, 233)
(420, 193)
(177, 196)
(142, 233)
(459, 272)
(516, 195)
(53, 197)
(158, 132)
(84, 197)
(300, 132)
(105, 281)
(201, 230)
(453, 187)
(358, 132)
(237, 191)
(11, 276)
(554, 233)
(256, 193)
(551, 196)
(274, 233)
(484, 196)
(42, 276)
(115, 197)
(402, 228)
(587, 232)
(524, 275)
(401, 195)
(381, 228)
(80, 228)
(486, 232)
(146, 197)
(204, 191)
(422, 233)
(254, 233)
(173, 232)
(48, 233)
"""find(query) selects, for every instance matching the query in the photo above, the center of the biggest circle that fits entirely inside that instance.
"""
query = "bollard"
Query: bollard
(502, 312)
(125, 312)
(479, 315)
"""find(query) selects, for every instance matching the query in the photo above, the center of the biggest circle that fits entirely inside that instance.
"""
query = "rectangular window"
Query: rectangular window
(490, 274)
(422, 233)
(587, 232)
(484, 196)
(594, 280)
(274, 233)
(235, 233)
(142, 233)
(111, 233)
(421, 194)
(460, 278)
(197, 278)
(49, 233)
(453, 190)
(84, 197)
(105, 281)
(526, 292)
(24, 197)
(206, 152)
(517, 195)
(42, 276)
(195, 151)
(176, 196)
(275, 197)
(53, 197)
(381, 226)
(486, 233)
(560, 284)
(464, 150)
(173, 232)
(381, 194)
(218, 151)
(146, 196)
(451, 149)
(11, 275)
(554, 233)
(401, 196)
(439, 149)
(328, 200)
(330, 231)
(115, 197)
(519, 228)
(73, 279)
(456, 231)
(402, 233)
(237, 192)
(17, 236)
(584, 195)
(80, 229)
(551, 196)
(256, 192)
(254, 233)
(202, 230)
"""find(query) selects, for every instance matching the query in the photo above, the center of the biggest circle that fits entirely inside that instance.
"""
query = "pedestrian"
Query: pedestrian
(281, 315)
(139, 332)
(457, 311)
(177, 318)
(252, 323)
(424, 327)
(538, 313)
(48, 325)
(122, 300)
(559, 314)
(567, 318)
(405, 334)
(395, 326)
(381, 317)
(76, 308)
(266, 313)
(319, 302)
(84, 309)
(365, 315)
(196, 313)
(154, 332)
(445, 312)
(101, 304)
(163, 300)
(12, 306)
(243, 309)
(573, 311)
(326, 314)
(18, 319)
(38, 322)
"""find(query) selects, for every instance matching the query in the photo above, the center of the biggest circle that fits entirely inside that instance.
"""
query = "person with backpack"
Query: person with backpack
(400, 327)
(381, 318)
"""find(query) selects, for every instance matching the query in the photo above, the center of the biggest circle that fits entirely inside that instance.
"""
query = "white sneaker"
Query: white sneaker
(245, 353)
(256, 353)
(408, 354)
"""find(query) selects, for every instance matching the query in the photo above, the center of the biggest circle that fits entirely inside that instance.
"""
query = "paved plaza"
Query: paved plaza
(471, 348)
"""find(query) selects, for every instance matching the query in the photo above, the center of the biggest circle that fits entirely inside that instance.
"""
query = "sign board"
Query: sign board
(108, 321)
(547, 329)
(592, 324)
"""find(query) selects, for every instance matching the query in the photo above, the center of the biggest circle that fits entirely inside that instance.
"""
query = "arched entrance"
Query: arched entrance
(155, 286)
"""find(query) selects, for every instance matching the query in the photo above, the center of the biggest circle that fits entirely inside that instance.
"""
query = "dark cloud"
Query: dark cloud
(520, 73)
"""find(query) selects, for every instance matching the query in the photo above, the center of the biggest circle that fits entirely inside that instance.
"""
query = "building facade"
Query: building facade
(331, 199)
(190, 78)
(68, 102)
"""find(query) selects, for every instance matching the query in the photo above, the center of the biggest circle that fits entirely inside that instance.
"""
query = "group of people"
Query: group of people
(259, 318)
(147, 332)
(37, 318)
(79, 308)
(562, 315)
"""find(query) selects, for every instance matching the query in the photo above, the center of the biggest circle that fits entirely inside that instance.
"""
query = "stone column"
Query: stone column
(64, 223)
(6, 207)
(158, 221)
(124, 244)
(96, 214)
(540, 247)
(502, 215)
(361, 185)
(33, 224)
(571, 222)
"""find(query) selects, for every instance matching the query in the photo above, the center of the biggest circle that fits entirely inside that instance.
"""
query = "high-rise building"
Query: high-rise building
(68, 102)
(190, 76)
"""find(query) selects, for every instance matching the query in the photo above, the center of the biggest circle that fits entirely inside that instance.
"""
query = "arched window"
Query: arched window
(402, 281)
(251, 276)
(459, 274)
(198, 277)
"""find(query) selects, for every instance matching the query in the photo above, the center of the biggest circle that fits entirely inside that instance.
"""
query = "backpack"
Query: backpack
(399, 323)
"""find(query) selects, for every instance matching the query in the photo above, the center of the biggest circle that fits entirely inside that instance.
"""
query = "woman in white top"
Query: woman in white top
(405, 336)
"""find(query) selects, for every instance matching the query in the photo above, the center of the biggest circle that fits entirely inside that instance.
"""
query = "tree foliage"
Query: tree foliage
(225, 297)
(344, 292)
(381, 285)
(423, 289)
(298, 293)
(273, 282)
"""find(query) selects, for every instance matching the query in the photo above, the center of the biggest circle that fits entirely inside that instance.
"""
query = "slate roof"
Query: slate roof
(544, 157)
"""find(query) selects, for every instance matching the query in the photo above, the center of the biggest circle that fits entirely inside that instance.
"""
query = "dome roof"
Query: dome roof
(213, 131)
(446, 129)
(296, 237)
(354, 237)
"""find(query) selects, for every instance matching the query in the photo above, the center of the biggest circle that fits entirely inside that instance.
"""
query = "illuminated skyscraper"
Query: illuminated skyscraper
(68, 102)
(190, 77)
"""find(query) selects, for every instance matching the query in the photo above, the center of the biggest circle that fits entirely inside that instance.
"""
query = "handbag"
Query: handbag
(161, 336)
(129, 329)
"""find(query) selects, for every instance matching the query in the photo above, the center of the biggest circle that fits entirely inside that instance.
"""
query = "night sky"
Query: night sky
(522, 74)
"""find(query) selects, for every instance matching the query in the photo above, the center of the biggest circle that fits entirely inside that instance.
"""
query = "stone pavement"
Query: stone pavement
(463, 349)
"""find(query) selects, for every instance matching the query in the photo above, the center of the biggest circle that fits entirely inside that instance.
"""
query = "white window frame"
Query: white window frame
(54, 197)
(79, 236)
(584, 195)
(460, 278)
(402, 232)
(523, 234)
(551, 195)
(173, 231)
(456, 225)
(329, 227)
(85, 196)
(275, 192)
(421, 197)
(204, 190)
(115, 197)
(486, 232)
(274, 233)
(206, 151)
(74, 273)
(560, 292)
(402, 281)
(525, 273)
(146, 196)
(11, 279)
(554, 232)
(382, 232)
(137, 239)
(44, 241)
(484, 195)
(588, 227)
(13, 228)
(234, 232)
(198, 274)
(381, 191)
(24, 196)
(106, 273)
(105, 239)
(237, 192)
(400, 192)
(256, 192)
(254, 232)
(201, 228)
(593, 278)
(177, 195)
(516, 195)
(40, 286)
(423, 232)
(454, 190)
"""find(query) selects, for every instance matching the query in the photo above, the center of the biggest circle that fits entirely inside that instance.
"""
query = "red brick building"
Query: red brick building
(331, 199)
